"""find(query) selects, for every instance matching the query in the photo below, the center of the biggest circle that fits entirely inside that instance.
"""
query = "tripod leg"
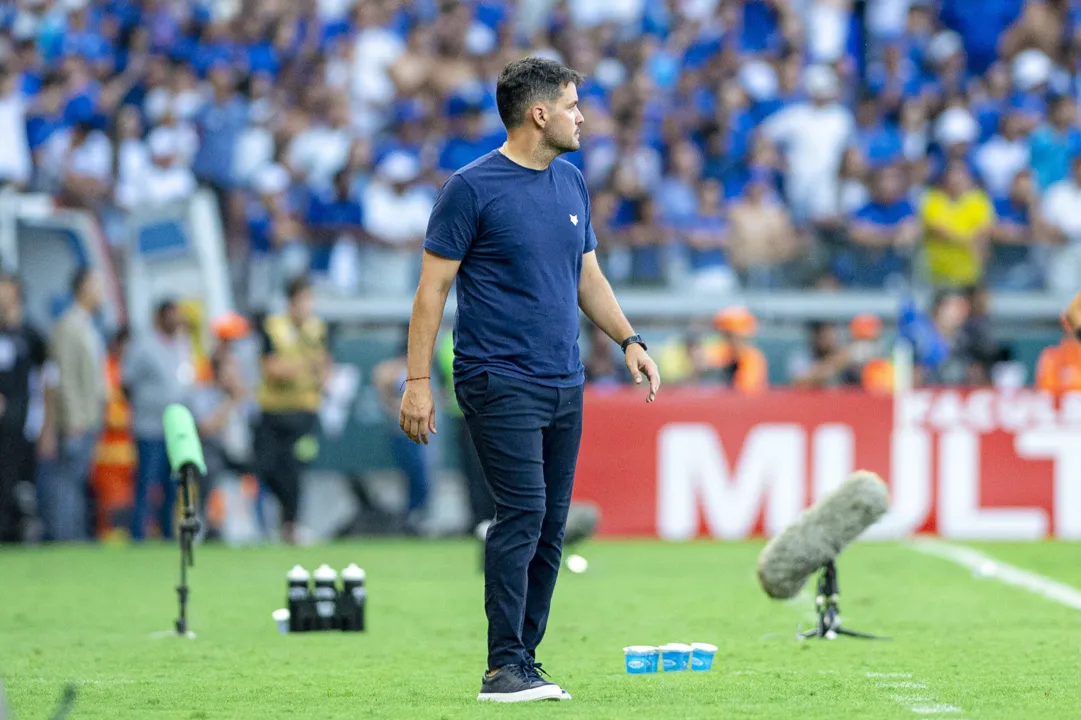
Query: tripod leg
(857, 633)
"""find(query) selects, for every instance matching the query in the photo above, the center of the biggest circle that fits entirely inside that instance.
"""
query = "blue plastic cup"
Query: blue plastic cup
(702, 656)
(675, 657)
(641, 659)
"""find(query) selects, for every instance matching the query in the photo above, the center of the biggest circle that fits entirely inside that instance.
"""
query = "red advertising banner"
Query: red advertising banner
(971, 464)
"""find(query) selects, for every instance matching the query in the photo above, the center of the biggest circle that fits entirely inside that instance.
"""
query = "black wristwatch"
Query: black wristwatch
(631, 341)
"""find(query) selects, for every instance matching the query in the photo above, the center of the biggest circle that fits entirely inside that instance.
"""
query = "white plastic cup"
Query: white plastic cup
(702, 656)
(675, 657)
(641, 659)
(281, 617)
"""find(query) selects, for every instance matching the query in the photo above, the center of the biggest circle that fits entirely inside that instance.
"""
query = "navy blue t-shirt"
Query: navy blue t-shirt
(520, 235)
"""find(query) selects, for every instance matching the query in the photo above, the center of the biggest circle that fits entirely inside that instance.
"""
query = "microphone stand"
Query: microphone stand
(189, 528)
(829, 614)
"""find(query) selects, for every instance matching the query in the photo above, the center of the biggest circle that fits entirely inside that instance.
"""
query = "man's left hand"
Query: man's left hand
(639, 362)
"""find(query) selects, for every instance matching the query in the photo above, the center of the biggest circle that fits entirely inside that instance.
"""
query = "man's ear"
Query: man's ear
(539, 113)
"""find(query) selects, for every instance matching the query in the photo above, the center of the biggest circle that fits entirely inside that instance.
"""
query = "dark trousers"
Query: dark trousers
(527, 438)
(279, 459)
(153, 472)
(16, 466)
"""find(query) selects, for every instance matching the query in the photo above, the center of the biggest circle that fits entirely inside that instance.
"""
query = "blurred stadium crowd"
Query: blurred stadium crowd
(751, 143)
(729, 144)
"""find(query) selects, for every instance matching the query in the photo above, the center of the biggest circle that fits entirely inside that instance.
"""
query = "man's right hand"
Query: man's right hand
(417, 416)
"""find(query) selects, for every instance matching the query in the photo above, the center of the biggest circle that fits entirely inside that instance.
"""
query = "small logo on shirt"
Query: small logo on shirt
(574, 220)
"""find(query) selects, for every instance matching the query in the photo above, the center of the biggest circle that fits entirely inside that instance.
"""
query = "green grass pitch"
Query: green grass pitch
(963, 647)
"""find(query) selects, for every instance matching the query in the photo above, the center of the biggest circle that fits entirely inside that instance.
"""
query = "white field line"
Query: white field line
(987, 566)
(916, 703)
(983, 565)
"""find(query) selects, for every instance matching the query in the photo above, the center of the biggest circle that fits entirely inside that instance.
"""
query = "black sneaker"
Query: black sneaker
(537, 670)
(517, 683)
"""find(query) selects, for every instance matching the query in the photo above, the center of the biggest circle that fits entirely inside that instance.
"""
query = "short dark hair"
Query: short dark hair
(524, 82)
(79, 279)
(296, 286)
(164, 306)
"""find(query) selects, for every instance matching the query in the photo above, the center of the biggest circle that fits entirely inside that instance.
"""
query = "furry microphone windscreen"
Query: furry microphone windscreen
(820, 534)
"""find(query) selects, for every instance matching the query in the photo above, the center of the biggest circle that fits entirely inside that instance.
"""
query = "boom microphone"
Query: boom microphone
(182, 440)
(819, 535)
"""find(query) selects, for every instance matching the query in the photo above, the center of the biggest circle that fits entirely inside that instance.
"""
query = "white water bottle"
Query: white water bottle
(326, 597)
(353, 598)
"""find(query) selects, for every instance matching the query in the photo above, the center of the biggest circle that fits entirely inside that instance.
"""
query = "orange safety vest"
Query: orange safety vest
(751, 374)
(877, 376)
(114, 461)
(1059, 367)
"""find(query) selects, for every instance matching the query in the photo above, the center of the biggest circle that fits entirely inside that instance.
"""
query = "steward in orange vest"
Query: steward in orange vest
(114, 463)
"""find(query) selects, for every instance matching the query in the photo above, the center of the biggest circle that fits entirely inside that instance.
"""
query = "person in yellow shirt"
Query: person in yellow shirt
(957, 220)
(295, 365)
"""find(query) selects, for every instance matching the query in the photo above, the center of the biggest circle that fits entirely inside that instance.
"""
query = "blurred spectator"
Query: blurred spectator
(481, 503)
(733, 360)
(114, 462)
(318, 152)
(255, 145)
(953, 366)
(79, 352)
(396, 217)
(220, 123)
(683, 359)
(79, 165)
(278, 249)
(957, 219)
(814, 136)
(1013, 261)
(1056, 142)
(649, 242)
(883, 234)
(167, 178)
(469, 139)
(978, 339)
(763, 246)
(823, 362)
(602, 363)
(15, 150)
(1062, 211)
(868, 356)
(677, 193)
(157, 372)
(414, 460)
(336, 220)
(225, 413)
(1059, 367)
(828, 362)
(132, 158)
(23, 352)
(706, 237)
(295, 368)
(1002, 157)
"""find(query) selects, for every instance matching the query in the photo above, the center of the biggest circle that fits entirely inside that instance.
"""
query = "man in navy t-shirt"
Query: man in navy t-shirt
(513, 228)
